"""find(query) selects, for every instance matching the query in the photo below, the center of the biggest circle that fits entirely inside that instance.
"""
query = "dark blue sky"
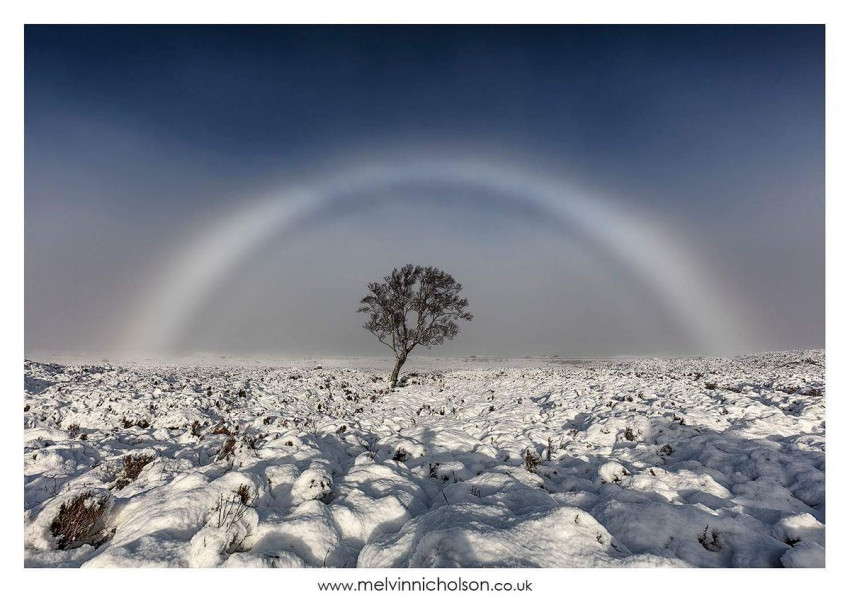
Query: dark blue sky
(136, 134)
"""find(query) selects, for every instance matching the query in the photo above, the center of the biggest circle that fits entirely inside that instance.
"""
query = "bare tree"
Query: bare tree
(415, 306)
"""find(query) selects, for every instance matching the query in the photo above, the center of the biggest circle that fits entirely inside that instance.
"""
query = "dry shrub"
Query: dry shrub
(243, 492)
(134, 463)
(712, 543)
(221, 428)
(227, 449)
(80, 521)
(229, 511)
(132, 467)
(532, 461)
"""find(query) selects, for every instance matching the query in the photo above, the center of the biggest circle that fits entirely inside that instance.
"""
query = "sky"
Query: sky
(598, 191)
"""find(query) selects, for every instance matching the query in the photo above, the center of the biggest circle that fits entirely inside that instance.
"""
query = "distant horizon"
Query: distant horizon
(95, 357)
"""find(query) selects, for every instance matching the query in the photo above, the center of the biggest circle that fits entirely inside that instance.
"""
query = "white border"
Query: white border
(549, 583)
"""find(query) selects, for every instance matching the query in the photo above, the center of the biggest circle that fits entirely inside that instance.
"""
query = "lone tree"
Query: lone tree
(415, 306)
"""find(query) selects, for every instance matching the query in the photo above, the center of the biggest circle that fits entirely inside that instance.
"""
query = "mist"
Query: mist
(687, 165)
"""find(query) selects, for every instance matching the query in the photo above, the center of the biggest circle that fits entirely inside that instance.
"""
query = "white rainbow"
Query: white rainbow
(691, 294)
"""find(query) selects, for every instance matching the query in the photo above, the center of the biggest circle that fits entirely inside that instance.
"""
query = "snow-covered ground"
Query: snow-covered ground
(522, 463)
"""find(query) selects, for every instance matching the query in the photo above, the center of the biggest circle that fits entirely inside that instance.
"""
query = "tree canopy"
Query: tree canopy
(414, 306)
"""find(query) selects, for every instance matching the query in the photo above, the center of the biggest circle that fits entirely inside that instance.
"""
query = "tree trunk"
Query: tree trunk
(399, 361)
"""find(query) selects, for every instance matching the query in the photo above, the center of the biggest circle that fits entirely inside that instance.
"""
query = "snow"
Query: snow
(706, 462)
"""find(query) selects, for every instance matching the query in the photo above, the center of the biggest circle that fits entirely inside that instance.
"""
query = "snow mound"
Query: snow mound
(488, 536)
(707, 462)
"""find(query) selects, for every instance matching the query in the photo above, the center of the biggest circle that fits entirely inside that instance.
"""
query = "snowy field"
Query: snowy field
(472, 463)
